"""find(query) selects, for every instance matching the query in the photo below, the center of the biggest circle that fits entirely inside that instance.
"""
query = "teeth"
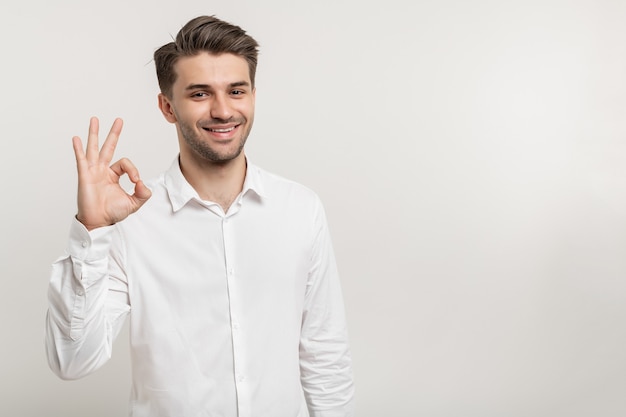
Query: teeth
(230, 129)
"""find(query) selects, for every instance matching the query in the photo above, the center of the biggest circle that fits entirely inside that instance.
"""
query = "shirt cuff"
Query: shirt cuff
(89, 246)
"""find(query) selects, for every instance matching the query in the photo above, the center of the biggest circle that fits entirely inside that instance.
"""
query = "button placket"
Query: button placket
(233, 310)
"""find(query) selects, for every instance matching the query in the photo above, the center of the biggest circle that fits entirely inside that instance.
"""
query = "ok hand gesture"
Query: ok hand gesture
(101, 199)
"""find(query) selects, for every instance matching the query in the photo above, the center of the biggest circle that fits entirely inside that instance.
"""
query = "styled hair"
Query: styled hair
(204, 34)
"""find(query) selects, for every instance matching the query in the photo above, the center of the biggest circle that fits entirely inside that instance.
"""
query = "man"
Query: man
(227, 272)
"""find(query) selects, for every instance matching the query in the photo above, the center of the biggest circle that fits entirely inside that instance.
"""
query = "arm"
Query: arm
(325, 362)
(88, 295)
(88, 301)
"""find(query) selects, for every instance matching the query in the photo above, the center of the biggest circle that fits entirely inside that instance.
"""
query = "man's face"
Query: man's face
(212, 105)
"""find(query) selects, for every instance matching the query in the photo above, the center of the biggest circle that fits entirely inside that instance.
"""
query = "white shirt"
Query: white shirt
(231, 314)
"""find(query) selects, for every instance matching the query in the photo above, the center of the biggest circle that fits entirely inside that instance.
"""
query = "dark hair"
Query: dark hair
(204, 34)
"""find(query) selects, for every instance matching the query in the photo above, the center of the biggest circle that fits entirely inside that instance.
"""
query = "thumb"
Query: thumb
(142, 193)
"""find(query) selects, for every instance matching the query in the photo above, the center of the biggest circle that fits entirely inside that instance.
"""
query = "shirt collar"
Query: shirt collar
(181, 192)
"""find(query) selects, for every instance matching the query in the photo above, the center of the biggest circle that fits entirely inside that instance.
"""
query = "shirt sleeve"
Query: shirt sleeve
(87, 301)
(325, 361)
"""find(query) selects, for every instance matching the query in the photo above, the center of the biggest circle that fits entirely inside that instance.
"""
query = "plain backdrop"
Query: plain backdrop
(470, 155)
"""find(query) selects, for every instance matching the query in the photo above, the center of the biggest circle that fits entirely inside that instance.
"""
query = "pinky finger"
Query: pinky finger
(79, 151)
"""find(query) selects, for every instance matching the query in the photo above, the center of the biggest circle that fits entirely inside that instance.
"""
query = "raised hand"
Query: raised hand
(101, 199)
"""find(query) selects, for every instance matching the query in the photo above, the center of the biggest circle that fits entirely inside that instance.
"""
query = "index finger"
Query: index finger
(108, 147)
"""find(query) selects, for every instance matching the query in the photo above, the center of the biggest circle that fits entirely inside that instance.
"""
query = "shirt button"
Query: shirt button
(80, 293)
(84, 244)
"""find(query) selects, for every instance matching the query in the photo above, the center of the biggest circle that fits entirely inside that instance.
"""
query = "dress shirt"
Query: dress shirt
(231, 314)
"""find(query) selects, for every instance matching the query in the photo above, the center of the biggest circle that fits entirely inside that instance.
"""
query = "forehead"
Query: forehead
(211, 69)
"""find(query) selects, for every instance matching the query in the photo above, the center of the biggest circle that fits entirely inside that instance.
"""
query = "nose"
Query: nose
(220, 108)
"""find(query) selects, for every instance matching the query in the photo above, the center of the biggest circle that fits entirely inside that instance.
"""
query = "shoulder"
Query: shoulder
(157, 182)
(157, 203)
(158, 187)
(287, 197)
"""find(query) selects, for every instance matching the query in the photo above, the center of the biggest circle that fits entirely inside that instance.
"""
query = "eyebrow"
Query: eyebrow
(208, 87)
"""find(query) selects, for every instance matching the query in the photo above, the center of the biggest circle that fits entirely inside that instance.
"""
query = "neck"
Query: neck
(220, 183)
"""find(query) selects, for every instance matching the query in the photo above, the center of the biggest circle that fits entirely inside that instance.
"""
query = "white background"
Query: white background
(470, 154)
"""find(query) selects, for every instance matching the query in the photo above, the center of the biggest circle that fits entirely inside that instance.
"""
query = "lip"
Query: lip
(225, 131)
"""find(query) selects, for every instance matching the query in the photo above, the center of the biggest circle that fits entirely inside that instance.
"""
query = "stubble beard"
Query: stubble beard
(204, 150)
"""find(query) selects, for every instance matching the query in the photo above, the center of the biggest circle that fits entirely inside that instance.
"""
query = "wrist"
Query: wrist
(91, 226)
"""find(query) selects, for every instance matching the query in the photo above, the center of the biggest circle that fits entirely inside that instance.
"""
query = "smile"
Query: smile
(221, 130)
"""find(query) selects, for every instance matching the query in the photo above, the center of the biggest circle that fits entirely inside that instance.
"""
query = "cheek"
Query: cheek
(247, 110)
(189, 112)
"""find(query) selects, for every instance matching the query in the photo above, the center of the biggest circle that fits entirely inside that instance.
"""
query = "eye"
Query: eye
(199, 94)
(237, 92)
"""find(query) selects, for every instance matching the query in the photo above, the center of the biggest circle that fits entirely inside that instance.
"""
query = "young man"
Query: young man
(226, 272)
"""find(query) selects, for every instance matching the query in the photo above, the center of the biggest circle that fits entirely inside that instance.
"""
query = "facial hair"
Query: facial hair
(203, 149)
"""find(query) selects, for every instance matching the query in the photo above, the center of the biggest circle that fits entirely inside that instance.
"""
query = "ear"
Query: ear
(165, 105)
